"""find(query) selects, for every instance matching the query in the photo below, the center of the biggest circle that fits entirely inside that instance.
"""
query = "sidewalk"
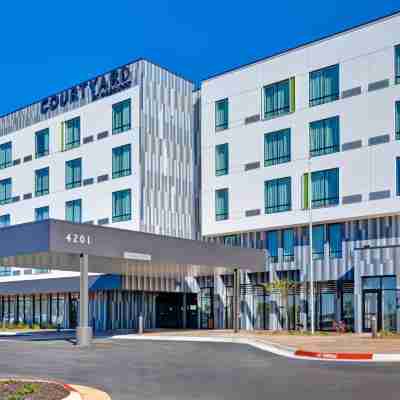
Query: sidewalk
(325, 346)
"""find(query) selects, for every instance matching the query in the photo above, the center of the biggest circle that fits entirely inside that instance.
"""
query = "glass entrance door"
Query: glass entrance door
(371, 301)
(389, 310)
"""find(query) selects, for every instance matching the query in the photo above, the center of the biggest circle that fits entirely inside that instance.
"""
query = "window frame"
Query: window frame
(7, 222)
(278, 208)
(397, 119)
(120, 173)
(275, 113)
(73, 184)
(319, 255)
(225, 125)
(326, 201)
(338, 253)
(328, 98)
(223, 171)
(288, 256)
(73, 203)
(222, 216)
(8, 199)
(397, 64)
(39, 209)
(125, 216)
(280, 159)
(7, 163)
(119, 107)
(38, 175)
(45, 131)
(273, 258)
(325, 150)
(75, 143)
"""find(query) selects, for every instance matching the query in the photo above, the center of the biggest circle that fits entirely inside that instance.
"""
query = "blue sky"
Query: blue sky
(47, 46)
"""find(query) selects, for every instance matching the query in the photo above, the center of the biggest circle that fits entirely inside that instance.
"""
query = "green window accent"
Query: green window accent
(221, 159)
(5, 220)
(72, 135)
(42, 213)
(398, 175)
(277, 147)
(324, 85)
(397, 63)
(292, 94)
(121, 161)
(325, 188)
(42, 182)
(397, 120)
(277, 99)
(121, 206)
(288, 244)
(73, 211)
(42, 143)
(335, 237)
(305, 192)
(272, 246)
(62, 136)
(5, 191)
(5, 155)
(73, 173)
(278, 195)
(221, 204)
(324, 137)
(221, 114)
(121, 116)
(318, 237)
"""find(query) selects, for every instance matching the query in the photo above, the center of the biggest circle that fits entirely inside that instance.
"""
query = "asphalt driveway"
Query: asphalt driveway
(169, 370)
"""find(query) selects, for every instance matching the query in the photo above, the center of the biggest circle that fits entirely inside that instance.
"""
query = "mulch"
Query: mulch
(31, 390)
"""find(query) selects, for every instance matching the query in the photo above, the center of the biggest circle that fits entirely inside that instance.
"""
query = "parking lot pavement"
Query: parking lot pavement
(170, 370)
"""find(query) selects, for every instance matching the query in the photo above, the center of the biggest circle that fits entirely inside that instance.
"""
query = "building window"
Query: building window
(221, 159)
(398, 175)
(278, 197)
(318, 239)
(221, 114)
(272, 246)
(324, 137)
(5, 155)
(325, 188)
(121, 116)
(42, 182)
(335, 240)
(42, 143)
(397, 63)
(5, 191)
(231, 240)
(277, 147)
(277, 99)
(221, 204)
(397, 120)
(324, 85)
(41, 213)
(72, 133)
(73, 173)
(288, 244)
(121, 161)
(5, 220)
(73, 211)
(121, 206)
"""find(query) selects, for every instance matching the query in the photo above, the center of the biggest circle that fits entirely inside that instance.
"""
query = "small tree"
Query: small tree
(284, 287)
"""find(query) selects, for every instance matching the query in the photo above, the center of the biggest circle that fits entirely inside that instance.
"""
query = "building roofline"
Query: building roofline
(134, 61)
(306, 44)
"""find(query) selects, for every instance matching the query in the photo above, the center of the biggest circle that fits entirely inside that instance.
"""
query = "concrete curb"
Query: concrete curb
(272, 348)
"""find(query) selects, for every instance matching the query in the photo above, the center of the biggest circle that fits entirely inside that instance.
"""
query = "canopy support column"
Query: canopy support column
(84, 331)
(236, 300)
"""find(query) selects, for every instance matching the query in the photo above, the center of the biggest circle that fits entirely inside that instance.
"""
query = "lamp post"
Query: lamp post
(311, 260)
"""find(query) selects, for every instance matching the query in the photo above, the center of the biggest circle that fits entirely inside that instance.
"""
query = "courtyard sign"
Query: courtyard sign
(99, 87)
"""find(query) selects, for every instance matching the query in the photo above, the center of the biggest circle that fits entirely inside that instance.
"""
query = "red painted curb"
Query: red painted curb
(334, 356)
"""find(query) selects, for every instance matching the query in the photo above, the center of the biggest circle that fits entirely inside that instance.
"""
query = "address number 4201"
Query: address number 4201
(78, 238)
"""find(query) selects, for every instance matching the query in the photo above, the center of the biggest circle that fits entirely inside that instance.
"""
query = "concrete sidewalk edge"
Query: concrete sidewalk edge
(272, 348)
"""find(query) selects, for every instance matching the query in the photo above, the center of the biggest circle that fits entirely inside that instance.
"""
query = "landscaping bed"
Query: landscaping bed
(12, 389)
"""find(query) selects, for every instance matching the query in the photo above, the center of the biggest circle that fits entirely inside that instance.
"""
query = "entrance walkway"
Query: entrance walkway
(326, 342)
